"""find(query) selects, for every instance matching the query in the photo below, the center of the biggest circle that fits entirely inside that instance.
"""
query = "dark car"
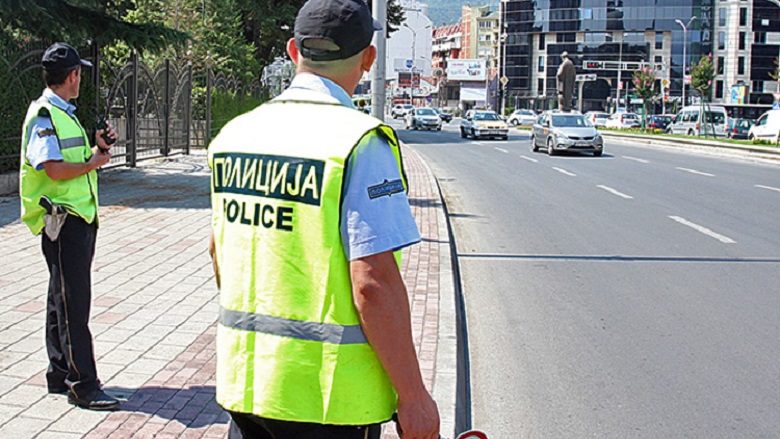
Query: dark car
(658, 122)
(445, 117)
(738, 128)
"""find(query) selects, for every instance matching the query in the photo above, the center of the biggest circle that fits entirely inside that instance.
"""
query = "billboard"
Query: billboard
(466, 70)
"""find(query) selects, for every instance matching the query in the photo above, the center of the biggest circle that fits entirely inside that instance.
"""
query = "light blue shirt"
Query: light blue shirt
(372, 222)
(45, 148)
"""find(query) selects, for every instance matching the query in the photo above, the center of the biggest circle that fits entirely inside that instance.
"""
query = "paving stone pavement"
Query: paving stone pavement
(155, 307)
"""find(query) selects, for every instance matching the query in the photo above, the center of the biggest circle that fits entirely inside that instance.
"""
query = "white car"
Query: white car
(623, 121)
(695, 121)
(399, 110)
(767, 127)
(423, 119)
(597, 118)
(522, 117)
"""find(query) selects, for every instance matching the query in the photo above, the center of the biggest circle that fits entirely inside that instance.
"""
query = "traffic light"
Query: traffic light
(594, 65)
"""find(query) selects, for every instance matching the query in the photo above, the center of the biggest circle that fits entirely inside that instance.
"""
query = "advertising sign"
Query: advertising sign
(738, 94)
(466, 70)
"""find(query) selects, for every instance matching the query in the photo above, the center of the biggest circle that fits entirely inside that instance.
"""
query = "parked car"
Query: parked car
(623, 121)
(658, 121)
(560, 132)
(445, 117)
(522, 118)
(597, 118)
(767, 127)
(483, 123)
(738, 128)
(399, 110)
(695, 121)
(423, 119)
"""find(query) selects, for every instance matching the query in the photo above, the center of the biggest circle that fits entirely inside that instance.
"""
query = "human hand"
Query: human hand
(99, 159)
(101, 142)
(418, 418)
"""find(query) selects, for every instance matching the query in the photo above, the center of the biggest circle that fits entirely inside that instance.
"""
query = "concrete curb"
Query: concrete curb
(754, 151)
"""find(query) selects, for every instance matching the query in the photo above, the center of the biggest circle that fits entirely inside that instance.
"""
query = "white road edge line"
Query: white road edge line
(702, 229)
(502, 150)
(628, 157)
(768, 187)
(529, 159)
(693, 171)
(615, 192)
(563, 171)
(478, 143)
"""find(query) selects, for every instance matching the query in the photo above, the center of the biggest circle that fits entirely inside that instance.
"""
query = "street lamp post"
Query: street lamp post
(414, 58)
(685, 47)
(620, 70)
(378, 80)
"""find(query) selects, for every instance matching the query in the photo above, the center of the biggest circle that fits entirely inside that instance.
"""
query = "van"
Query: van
(767, 127)
(691, 120)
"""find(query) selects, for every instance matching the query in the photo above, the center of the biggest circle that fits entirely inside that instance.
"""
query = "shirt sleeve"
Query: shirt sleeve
(375, 214)
(42, 145)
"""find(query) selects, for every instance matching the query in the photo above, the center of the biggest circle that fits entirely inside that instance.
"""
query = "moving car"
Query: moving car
(423, 119)
(623, 121)
(693, 120)
(445, 117)
(560, 132)
(767, 127)
(658, 121)
(738, 128)
(522, 118)
(483, 123)
(400, 110)
(597, 118)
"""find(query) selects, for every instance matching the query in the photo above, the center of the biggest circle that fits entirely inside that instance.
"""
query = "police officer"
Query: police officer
(60, 200)
(309, 210)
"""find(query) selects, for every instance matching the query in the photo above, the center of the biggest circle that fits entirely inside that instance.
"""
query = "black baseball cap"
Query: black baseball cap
(346, 23)
(62, 56)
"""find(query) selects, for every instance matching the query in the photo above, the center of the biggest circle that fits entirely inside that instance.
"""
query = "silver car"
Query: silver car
(560, 132)
(423, 119)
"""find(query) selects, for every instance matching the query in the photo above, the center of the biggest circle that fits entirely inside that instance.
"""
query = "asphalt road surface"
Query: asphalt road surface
(632, 295)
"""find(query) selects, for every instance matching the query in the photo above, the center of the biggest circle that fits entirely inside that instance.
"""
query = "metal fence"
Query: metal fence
(157, 110)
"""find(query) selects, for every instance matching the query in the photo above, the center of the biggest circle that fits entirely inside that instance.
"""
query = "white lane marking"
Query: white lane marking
(628, 157)
(702, 229)
(529, 159)
(693, 171)
(768, 187)
(502, 150)
(477, 143)
(565, 172)
(615, 192)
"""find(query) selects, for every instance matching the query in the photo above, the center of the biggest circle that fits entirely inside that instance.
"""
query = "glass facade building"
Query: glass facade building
(599, 36)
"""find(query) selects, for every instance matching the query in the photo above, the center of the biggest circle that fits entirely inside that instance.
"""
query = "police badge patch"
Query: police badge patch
(386, 188)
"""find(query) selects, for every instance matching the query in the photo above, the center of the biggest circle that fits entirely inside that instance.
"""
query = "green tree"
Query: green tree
(644, 86)
(701, 77)
(775, 74)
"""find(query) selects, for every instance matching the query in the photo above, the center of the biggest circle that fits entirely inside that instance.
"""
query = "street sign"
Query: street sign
(585, 78)
(409, 63)
(504, 80)
(687, 79)
(665, 82)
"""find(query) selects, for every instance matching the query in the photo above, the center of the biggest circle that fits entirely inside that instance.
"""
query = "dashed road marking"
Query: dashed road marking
(502, 150)
(533, 160)
(768, 187)
(693, 171)
(615, 192)
(702, 229)
(628, 157)
(565, 172)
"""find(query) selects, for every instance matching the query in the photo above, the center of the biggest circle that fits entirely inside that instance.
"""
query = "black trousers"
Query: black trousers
(68, 339)
(244, 426)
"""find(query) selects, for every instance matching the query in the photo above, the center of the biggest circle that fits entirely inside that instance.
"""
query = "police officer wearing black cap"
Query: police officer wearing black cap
(58, 188)
(314, 337)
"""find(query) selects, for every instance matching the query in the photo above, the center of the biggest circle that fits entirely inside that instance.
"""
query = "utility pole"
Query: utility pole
(380, 67)
(685, 55)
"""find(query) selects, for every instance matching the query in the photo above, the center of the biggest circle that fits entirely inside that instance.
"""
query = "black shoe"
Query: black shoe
(57, 390)
(97, 400)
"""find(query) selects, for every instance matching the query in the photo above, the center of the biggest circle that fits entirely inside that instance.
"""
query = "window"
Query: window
(741, 65)
(540, 67)
(742, 40)
(758, 86)
(541, 41)
(718, 89)
(722, 15)
(721, 66)
(540, 87)
(659, 59)
(565, 37)
(760, 38)
(721, 40)
(587, 14)
(743, 16)
(659, 40)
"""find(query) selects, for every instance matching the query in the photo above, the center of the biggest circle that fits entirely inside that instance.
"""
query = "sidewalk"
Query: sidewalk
(155, 306)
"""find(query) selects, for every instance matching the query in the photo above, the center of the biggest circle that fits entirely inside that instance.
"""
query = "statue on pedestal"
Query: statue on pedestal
(565, 76)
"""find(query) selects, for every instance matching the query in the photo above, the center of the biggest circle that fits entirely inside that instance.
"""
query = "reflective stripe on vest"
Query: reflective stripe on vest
(289, 342)
(78, 195)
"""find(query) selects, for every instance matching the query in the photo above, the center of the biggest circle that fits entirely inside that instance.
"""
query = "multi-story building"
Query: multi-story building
(612, 38)
(446, 46)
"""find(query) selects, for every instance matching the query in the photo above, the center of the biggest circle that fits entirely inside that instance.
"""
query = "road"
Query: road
(632, 295)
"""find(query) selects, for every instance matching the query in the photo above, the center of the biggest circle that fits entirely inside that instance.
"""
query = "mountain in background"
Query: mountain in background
(448, 11)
